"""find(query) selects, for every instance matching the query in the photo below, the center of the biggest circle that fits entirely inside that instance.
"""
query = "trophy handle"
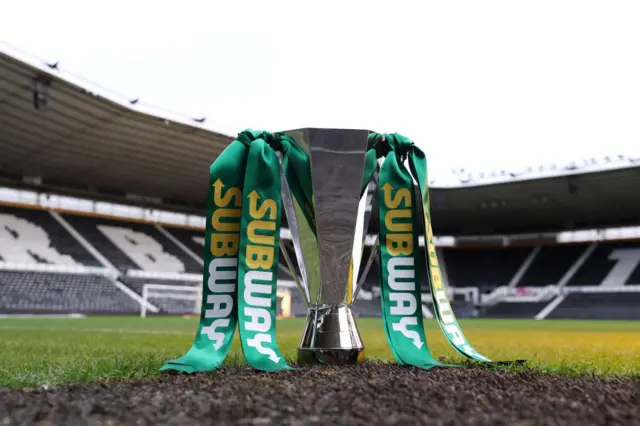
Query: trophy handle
(287, 202)
(367, 268)
(351, 297)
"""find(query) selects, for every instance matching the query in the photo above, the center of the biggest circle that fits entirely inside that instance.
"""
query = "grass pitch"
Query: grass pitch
(36, 352)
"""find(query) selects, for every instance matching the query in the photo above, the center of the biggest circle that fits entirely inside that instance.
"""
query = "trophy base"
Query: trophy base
(330, 337)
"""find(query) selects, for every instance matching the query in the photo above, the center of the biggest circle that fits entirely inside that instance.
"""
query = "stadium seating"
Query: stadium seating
(192, 239)
(550, 264)
(610, 264)
(619, 305)
(132, 245)
(28, 292)
(501, 282)
(28, 236)
(485, 268)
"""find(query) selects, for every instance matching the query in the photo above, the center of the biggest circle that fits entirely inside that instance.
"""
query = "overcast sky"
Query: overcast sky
(477, 84)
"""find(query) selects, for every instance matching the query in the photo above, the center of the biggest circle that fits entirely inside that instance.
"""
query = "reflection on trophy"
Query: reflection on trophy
(326, 263)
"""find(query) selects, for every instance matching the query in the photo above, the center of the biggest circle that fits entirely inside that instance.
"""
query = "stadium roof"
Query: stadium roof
(88, 144)
(84, 140)
(602, 199)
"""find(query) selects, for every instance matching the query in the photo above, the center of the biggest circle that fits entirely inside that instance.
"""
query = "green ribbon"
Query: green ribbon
(218, 316)
(242, 252)
(399, 272)
(297, 170)
(399, 275)
(258, 259)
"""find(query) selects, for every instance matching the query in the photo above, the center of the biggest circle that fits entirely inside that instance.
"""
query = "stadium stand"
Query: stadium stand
(34, 236)
(514, 310)
(131, 245)
(142, 253)
(610, 264)
(505, 257)
(550, 264)
(620, 305)
(47, 292)
(192, 240)
(485, 268)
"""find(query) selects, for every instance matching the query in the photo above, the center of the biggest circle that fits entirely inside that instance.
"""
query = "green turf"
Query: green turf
(35, 352)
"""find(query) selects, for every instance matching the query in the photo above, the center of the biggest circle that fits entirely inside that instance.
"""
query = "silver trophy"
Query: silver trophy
(328, 265)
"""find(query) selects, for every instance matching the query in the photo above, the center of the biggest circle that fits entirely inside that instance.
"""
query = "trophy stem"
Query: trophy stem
(330, 336)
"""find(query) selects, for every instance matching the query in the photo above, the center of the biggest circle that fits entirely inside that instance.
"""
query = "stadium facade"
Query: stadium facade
(102, 204)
